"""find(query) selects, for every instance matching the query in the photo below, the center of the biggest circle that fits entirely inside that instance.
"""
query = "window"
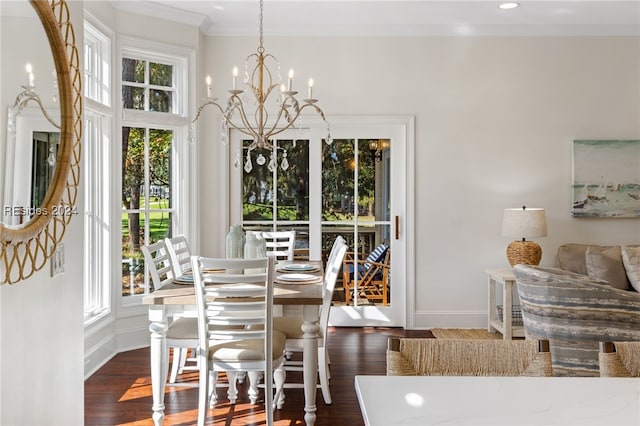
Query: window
(97, 65)
(97, 175)
(147, 207)
(96, 156)
(153, 138)
(147, 85)
(277, 199)
(355, 187)
(355, 192)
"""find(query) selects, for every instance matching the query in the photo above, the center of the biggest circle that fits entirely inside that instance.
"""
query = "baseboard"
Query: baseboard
(98, 355)
(133, 332)
(108, 338)
(449, 319)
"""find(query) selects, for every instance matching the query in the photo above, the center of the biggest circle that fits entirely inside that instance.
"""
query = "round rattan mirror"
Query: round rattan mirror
(25, 248)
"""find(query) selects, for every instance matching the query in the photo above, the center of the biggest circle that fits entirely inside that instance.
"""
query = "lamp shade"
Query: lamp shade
(524, 223)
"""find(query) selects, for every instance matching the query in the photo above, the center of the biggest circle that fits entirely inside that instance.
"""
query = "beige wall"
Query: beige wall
(495, 120)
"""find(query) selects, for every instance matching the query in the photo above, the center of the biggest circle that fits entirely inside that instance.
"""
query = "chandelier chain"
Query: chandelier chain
(261, 47)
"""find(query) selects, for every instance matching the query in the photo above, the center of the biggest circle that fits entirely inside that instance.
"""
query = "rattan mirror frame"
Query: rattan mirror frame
(25, 249)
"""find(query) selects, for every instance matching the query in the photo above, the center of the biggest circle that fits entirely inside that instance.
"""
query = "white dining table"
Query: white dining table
(179, 300)
(513, 401)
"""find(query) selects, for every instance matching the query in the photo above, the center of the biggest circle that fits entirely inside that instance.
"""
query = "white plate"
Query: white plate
(184, 279)
(297, 277)
(298, 267)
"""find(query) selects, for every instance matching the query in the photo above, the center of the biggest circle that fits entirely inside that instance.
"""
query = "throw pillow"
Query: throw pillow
(631, 261)
(606, 263)
(571, 257)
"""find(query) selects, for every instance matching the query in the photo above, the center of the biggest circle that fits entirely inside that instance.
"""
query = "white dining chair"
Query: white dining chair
(280, 244)
(179, 253)
(292, 326)
(235, 329)
(156, 256)
(180, 256)
(182, 334)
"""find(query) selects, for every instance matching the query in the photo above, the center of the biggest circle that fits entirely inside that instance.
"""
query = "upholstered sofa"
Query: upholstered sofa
(593, 298)
(618, 265)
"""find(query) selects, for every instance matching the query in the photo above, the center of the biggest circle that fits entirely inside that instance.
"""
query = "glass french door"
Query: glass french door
(347, 188)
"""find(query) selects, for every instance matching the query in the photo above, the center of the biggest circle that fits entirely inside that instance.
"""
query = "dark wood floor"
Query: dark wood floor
(120, 392)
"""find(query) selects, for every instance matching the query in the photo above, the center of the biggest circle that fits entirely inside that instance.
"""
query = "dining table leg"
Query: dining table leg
(159, 364)
(310, 329)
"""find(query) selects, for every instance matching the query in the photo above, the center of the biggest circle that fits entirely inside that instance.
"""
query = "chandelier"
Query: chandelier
(27, 95)
(247, 109)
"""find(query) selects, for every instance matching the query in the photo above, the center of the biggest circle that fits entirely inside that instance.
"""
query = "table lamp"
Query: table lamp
(524, 223)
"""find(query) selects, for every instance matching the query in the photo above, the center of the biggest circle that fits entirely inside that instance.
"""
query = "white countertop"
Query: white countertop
(455, 400)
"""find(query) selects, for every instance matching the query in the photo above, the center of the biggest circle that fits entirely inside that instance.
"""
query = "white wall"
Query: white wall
(41, 331)
(495, 120)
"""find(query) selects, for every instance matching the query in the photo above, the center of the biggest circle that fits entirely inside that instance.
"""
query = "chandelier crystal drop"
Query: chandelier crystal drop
(248, 107)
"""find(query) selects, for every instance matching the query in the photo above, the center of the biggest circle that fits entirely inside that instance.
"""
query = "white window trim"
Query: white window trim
(181, 59)
(98, 270)
(105, 38)
(99, 111)
(185, 166)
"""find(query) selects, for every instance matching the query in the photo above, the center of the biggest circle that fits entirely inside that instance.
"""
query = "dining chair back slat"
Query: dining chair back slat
(280, 244)
(179, 253)
(158, 262)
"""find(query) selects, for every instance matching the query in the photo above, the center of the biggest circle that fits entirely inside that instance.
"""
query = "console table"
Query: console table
(507, 281)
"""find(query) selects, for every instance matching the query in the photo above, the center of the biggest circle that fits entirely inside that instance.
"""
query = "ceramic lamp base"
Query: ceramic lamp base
(525, 252)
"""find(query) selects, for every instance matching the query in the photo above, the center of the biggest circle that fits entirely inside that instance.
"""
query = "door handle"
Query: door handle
(397, 227)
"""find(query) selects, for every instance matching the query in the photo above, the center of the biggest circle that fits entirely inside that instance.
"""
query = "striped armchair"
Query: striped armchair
(575, 313)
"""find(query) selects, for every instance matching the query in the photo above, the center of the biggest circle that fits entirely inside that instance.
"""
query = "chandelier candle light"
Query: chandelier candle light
(524, 223)
(249, 114)
(28, 94)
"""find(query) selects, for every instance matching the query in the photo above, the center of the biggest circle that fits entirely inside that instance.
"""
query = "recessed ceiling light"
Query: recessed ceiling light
(508, 5)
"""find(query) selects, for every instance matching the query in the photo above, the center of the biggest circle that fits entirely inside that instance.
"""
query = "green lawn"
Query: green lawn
(159, 227)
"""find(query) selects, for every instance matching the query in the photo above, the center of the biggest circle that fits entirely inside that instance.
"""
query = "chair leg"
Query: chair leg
(203, 394)
(184, 355)
(188, 358)
(253, 385)
(212, 393)
(323, 372)
(232, 393)
(279, 377)
(179, 357)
